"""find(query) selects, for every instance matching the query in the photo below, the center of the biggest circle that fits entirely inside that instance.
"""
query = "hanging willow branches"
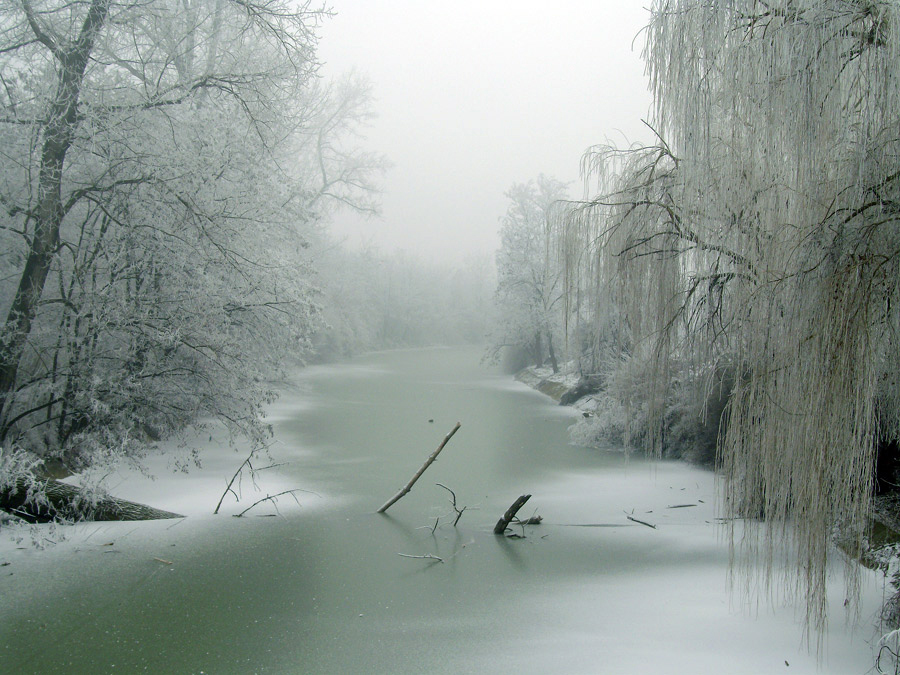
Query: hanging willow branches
(753, 253)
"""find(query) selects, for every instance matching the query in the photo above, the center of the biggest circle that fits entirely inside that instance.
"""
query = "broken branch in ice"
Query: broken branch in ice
(642, 522)
(504, 521)
(412, 481)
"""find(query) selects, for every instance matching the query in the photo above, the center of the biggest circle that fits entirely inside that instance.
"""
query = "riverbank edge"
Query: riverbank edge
(559, 386)
(885, 514)
(545, 381)
(564, 389)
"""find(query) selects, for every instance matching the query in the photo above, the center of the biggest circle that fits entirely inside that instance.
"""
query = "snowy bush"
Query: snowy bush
(16, 465)
(605, 425)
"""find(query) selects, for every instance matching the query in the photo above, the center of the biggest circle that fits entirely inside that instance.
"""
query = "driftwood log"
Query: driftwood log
(511, 512)
(43, 501)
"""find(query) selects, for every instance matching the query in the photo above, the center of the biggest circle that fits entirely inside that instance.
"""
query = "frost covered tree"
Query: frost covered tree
(164, 163)
(621, 269)
(529, 294)
(754, 252)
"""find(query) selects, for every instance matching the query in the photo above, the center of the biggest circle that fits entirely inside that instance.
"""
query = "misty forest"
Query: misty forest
(677, 383)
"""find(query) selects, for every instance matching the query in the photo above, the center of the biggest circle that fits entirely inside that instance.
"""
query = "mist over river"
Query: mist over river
(322, 587)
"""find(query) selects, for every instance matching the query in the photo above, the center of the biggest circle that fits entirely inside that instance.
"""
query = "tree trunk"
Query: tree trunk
(553, 362)
(57, 135)
(67, 502)
(538, 353)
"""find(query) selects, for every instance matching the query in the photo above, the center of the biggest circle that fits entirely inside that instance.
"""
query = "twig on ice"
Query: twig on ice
(459, 511)
(240, 469)
(533, 520)
(273, 499)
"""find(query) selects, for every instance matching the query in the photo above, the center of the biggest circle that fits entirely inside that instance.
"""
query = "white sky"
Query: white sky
(475, 96)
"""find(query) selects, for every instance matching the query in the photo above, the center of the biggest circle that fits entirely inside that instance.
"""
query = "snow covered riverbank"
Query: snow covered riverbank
(322, 588)
(603, 420)
(554, 385)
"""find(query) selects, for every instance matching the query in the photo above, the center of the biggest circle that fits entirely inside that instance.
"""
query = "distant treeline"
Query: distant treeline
(374, 300)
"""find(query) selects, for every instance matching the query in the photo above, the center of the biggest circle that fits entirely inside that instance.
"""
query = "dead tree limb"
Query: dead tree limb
(511, 512)
(412, 481)
(237, 473)
(273, 499)
(642, 522)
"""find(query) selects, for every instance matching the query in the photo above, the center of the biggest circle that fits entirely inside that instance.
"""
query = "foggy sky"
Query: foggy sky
(474, 96)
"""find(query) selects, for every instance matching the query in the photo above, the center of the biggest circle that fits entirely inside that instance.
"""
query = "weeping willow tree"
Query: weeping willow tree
(754, 249)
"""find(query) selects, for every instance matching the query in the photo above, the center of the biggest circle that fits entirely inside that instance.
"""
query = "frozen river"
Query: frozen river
(322, 587)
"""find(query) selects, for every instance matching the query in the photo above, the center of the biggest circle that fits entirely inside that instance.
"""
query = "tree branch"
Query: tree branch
(405, 490)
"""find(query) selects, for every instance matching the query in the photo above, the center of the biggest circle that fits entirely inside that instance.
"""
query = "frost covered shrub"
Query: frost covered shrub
(604, 427)
(17, 470)
(696, 416)
(690, 424)
(620, 413)
(633, 381)
(15, 465)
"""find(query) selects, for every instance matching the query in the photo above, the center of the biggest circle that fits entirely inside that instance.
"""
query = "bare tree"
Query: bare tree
(529, 274)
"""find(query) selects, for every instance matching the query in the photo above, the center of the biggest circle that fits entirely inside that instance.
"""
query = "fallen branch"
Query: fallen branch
(418, 474)
(503, 523)
(273, 499)
(239, 472)
(642, 522)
